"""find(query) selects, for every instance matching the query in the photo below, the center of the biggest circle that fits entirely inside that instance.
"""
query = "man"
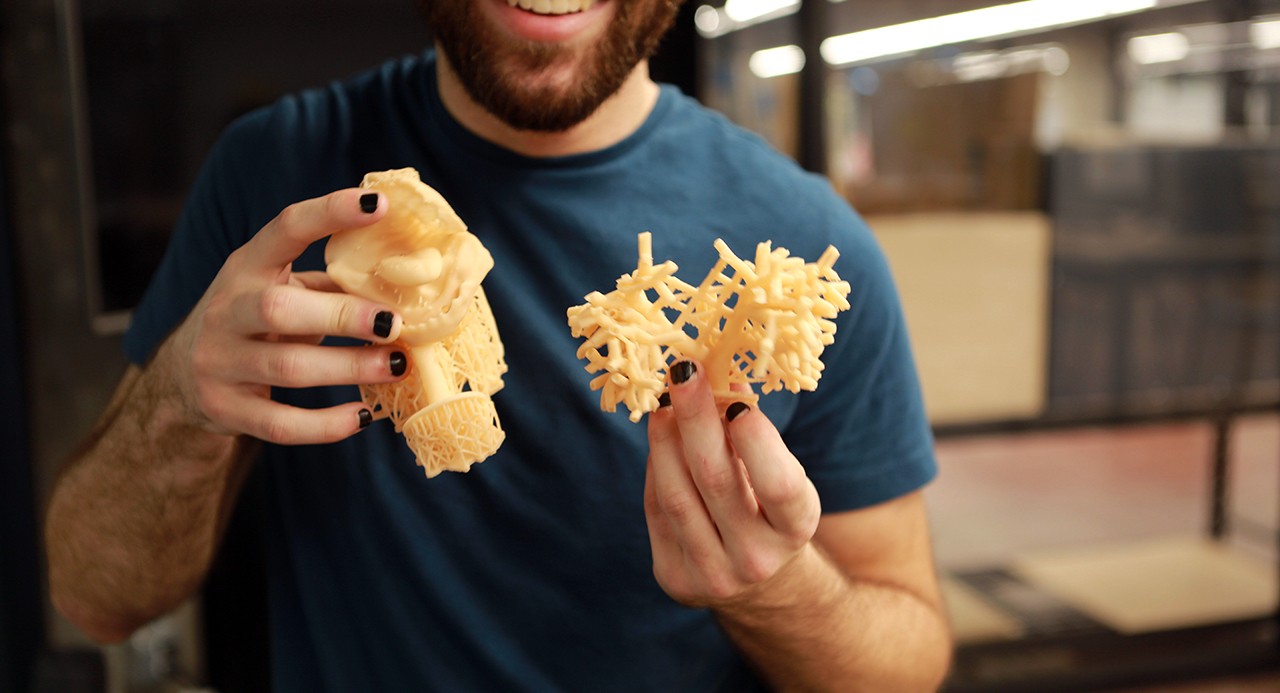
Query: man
(784, 548)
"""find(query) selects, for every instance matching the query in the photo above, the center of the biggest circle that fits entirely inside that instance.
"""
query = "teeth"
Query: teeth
(552, 6)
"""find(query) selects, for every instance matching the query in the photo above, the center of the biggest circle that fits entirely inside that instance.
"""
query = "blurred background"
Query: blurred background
(1080, 200)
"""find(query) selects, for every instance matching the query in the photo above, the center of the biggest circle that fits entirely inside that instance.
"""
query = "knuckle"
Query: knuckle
(371, 368)
(210, 404)
(206, 364)
(290, 217)
(652, 507)
(695, 411)
(811, 518)
(805, 524)
(215, 312)
(720, 587)
(717, 479)
(333, 204)
(755, 566)
(680, 507)
(294, 223)
(276, 430)
(337, 205)
(284, 367)
(674, 584)
(797, 533)
(201, 358)
(661, 573)
(343, 319)
(274, 305)
(780, 491)
(233, 262)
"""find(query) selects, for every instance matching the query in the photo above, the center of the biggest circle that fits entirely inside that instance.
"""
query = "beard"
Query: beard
(513, 79)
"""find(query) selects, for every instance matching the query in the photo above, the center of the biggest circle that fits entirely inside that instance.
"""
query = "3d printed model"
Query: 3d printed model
(764, 322)
(421, 259)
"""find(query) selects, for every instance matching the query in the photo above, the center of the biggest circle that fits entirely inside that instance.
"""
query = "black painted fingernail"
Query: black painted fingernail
(735, 410)
(366, 418)
(398, 363)
(682, 371)
(382, 323)
(664, 400)
(369, 203)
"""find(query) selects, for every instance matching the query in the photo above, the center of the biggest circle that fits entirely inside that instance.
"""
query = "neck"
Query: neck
(619, 116)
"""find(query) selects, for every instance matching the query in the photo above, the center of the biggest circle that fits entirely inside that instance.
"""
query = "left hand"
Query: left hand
(727, 504)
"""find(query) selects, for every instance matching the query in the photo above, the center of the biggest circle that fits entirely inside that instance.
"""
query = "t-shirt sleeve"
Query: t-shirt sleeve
(214, 222)
(863, 435)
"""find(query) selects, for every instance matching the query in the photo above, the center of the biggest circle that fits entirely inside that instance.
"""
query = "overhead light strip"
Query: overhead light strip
(1168, 47)
(775, 62)
(712, 22)
(1265, 33)
(974, 25)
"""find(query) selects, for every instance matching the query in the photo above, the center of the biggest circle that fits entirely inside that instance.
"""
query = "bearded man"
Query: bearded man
(784, 546)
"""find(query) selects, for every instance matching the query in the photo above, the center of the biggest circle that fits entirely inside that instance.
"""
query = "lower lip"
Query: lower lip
(548, 28)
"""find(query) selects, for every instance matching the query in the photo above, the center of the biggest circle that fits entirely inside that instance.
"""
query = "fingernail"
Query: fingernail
(735, 410)
(366, 418)
(369, 203)
(382, 323)
(398, 363)
(664, 400)
(682, 371)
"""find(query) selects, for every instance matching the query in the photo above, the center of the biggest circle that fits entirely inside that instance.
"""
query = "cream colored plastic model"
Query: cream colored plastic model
(421, 259)
(748, 322)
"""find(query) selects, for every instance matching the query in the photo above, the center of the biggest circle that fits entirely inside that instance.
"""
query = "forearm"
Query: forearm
(134, 518)
(813, 629)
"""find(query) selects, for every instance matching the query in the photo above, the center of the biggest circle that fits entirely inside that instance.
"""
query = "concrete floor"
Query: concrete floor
(1002, 500)
(1257, 683)
(998, 496)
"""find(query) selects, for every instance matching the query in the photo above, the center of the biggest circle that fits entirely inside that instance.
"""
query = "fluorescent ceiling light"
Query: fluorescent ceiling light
(772, 62)
(737, 14)
(1265, 34)
(744, 11)
(1159, 48)
(974, 25)
(707, 19)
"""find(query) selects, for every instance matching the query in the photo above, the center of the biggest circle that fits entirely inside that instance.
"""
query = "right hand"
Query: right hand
(260, 324)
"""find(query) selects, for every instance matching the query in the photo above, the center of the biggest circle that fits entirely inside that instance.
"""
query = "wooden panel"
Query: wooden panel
(1157, 585)
(975, 291)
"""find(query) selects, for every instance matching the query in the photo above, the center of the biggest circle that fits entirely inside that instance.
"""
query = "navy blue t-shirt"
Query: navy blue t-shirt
(533, 571)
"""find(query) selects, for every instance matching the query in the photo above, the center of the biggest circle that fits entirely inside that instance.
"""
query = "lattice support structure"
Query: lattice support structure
(454, 434)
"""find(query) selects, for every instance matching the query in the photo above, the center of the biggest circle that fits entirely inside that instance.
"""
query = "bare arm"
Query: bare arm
(844, 602)
(135, 516)
(871, 617)
(134, 521)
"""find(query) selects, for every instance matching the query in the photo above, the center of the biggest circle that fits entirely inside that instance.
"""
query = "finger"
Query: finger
(786, 495)
(308, 365)
(284, 309)
(316, 281)
(287, 425)
(662, 539)
(299, 225)
(675, 493)
(713, 466)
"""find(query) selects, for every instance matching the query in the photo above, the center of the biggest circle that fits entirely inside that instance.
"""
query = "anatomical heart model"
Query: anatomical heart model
(421, 259)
